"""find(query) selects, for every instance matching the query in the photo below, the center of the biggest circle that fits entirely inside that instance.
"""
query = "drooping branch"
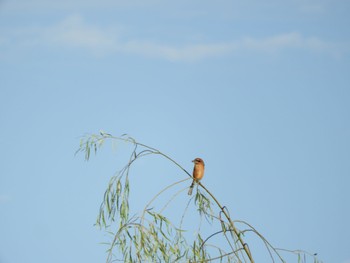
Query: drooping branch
(151, 235)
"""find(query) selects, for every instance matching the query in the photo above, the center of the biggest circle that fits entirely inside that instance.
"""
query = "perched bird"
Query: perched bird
(198, 172)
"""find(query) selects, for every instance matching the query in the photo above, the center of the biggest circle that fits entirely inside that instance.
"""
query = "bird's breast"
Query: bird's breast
(198, 172)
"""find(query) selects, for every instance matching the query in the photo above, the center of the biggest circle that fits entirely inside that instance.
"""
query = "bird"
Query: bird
(198, 173)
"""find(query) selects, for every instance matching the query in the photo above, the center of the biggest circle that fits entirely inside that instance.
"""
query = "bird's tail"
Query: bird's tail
(191, 188)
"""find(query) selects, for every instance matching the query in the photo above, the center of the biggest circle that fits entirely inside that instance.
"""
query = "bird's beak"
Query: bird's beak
(193, 161)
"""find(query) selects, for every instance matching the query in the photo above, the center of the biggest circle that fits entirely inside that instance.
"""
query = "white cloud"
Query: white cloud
(293, 40)
(175, 53)
(74, 33)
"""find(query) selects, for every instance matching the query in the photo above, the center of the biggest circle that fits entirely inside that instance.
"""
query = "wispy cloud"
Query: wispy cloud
(73, 32)
(292, 40)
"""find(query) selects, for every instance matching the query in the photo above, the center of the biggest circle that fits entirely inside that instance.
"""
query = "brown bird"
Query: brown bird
(198, 172)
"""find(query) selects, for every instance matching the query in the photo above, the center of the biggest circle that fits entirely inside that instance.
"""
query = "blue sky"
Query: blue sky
(258, 89)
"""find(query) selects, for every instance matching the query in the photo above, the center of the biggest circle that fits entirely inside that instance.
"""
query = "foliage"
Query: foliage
(150, 236)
